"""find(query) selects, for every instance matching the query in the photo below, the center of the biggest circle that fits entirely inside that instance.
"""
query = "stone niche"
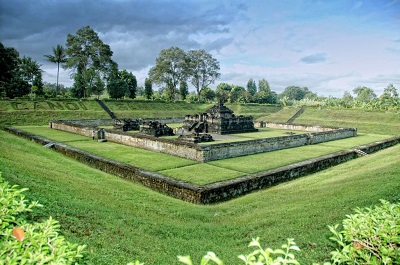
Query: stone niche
(219, 119)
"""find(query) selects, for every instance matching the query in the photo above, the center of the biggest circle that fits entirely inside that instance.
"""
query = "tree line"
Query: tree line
(90, 63)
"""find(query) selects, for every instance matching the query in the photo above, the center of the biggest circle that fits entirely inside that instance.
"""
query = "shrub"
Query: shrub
(24, 243)
(370, 236)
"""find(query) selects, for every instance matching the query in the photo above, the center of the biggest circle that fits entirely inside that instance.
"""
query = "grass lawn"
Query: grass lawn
(153, 161)
(121, 221)
(203, 173)
(364, 121)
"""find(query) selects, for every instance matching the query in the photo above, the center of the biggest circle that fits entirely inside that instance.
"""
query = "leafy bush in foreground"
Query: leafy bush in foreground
(24, 243)
(370, 236)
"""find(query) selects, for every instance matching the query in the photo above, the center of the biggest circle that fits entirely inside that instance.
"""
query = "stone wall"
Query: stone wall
(234, 149)
(211, 193)
(295, 127)
(206, 153)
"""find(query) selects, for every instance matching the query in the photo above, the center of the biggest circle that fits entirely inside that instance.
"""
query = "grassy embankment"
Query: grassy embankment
(121, 221)
(203, 173)
(25, 112)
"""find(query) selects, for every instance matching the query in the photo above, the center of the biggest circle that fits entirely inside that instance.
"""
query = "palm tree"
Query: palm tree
(59, 56)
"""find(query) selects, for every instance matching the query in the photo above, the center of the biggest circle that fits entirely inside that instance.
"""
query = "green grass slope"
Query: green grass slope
(387, 123)
(121, 221)
(26, 112)
(282, 115)
(202, 173)
(364, 121)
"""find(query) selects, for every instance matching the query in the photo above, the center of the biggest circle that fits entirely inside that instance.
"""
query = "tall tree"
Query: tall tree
(130, 81)
(264, 92)
(223, 92)
(59, 57)
(295, 92)
(148, 88)
(251, 87)
(11, 83)
(364, 94)
(169, 69)
(390, 97)
(208, 94)
(8, 63)
(183, 90)
(202, 69)
(29, 70)
(238, 94)
(263, 85)
(88, 58)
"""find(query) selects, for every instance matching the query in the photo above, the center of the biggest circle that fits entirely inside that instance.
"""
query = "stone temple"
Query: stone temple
(219, 119)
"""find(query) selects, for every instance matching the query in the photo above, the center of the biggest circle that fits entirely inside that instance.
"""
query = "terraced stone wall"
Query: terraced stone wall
(211, 193)
(205, 153)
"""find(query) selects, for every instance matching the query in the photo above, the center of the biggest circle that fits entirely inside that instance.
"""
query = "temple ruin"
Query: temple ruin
(219, 119)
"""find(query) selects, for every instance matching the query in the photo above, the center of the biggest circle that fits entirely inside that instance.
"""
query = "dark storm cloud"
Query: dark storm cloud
(314, 58)
(135, 30)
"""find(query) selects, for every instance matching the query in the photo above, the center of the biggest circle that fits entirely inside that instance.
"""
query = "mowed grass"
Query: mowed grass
(203, 173)
(148, 160)
(365, 121)
(282, 115)
(121, 221)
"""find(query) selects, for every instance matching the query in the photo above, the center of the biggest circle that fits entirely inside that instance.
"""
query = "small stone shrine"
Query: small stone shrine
(127, 124)
(155, 128)
(219, 119)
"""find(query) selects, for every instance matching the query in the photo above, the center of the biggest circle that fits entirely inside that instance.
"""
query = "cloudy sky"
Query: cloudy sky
(329, 46)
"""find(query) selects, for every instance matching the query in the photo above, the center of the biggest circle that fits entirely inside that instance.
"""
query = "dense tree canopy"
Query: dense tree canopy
(169, 69)
(18, 76)
(364, 94)
(130, 81)
(202, 69)
(148, 88)
(223, 91)
(251, 87)
(297, 93)
(89, 59)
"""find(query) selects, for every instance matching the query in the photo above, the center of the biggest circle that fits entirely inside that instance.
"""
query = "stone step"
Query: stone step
(360, 152)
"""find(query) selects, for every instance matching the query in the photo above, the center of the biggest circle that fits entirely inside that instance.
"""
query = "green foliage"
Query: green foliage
(297, 93)
(364, 94)
(370, 236)
(260, 256)
(88, 58)
(25, 243)
(130, 81)
(183, 90)
(169, 69)
(251, 87)
(202, 69)
(117, 88)
(13, 203)
(148, 88)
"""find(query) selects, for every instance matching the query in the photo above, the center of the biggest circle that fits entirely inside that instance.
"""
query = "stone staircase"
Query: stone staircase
(360, 152)
(104, 106)
(295, 116)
